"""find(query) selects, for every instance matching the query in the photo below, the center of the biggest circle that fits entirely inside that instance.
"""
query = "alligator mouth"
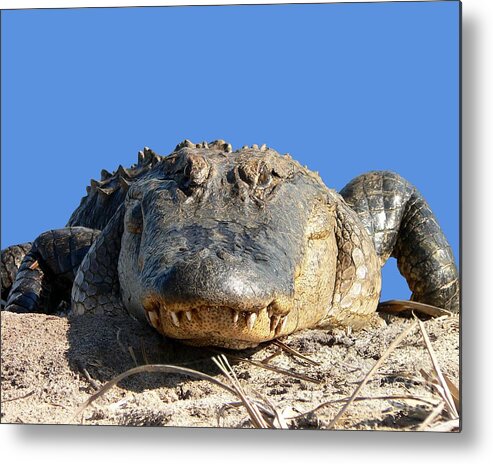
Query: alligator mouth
(218, 325)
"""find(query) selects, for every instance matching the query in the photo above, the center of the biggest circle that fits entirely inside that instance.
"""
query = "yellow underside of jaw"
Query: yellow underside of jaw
(221, 326)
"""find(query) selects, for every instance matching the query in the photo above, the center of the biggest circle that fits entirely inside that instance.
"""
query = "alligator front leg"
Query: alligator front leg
(96, 286)
(11, 258)
(46, 274)
(402, 225)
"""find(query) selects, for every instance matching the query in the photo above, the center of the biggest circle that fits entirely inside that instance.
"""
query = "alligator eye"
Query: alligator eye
(196, 171)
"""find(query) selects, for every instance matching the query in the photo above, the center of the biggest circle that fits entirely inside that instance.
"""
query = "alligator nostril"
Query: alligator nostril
(256, 173)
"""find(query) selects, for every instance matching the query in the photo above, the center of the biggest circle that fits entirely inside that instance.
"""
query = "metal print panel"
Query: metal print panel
(284, 255)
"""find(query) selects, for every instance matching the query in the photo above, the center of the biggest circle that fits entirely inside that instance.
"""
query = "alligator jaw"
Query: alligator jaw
(218, 325)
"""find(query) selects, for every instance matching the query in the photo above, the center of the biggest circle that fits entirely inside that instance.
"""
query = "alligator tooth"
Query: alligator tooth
(189, 315)
(175, 320)
(153, 317)
(251, 319)
(236, 316)
(283, 323)
(263, 147)
(274, 322)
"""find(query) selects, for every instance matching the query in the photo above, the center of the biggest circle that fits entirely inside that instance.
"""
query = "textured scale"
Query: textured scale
(11, 260)
(232, 248)
(402, 225)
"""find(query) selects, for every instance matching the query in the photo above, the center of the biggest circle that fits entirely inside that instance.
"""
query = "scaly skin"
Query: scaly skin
(45, 277)
(402, 225)
(215, 247)
(11, 260)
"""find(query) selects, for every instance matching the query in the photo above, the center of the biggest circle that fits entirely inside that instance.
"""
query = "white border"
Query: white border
(119, 445)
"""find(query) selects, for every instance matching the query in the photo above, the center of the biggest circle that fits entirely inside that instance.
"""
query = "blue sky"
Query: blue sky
(345, 88)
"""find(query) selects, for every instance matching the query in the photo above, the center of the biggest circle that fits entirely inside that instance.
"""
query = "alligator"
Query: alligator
(233, 248)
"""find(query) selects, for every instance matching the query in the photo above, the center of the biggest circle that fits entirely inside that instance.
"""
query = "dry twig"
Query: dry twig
(400, 306)
(441, 387)
(295, 353)
(385, 355)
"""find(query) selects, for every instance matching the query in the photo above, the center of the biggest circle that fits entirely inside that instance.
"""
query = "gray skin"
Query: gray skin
(215, 247)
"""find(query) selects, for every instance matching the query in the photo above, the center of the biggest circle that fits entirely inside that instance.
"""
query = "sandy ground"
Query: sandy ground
(51, 365)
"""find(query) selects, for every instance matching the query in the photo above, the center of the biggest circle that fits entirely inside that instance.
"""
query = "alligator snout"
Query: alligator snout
(213, 293)
(214, 280)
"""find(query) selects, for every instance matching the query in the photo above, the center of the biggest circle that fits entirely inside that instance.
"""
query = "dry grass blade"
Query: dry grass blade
(238, 404)
(143, 352)
(18, 397)
(273, 411)
(454, 391)
(272, 368)
(444, 390)
(295, 353)
(385, 355)
(368, 398)
(431, 417)
(132, 355)
(120, 344)
(88, 377)
(449, 426)
(255, 415)
(272, 356)
(399, 306)
(163, 368)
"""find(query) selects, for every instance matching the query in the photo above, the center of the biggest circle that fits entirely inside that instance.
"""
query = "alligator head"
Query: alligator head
(226, 248)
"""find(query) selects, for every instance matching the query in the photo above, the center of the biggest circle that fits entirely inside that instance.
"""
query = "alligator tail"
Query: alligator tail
(402, 225)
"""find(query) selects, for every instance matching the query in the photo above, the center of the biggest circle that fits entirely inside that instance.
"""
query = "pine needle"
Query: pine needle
(441, 387)
(272, 368)
(255, 415)
(419, 399)
(385, 355)
(400, 306)
(295, 353)
(163, 368)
